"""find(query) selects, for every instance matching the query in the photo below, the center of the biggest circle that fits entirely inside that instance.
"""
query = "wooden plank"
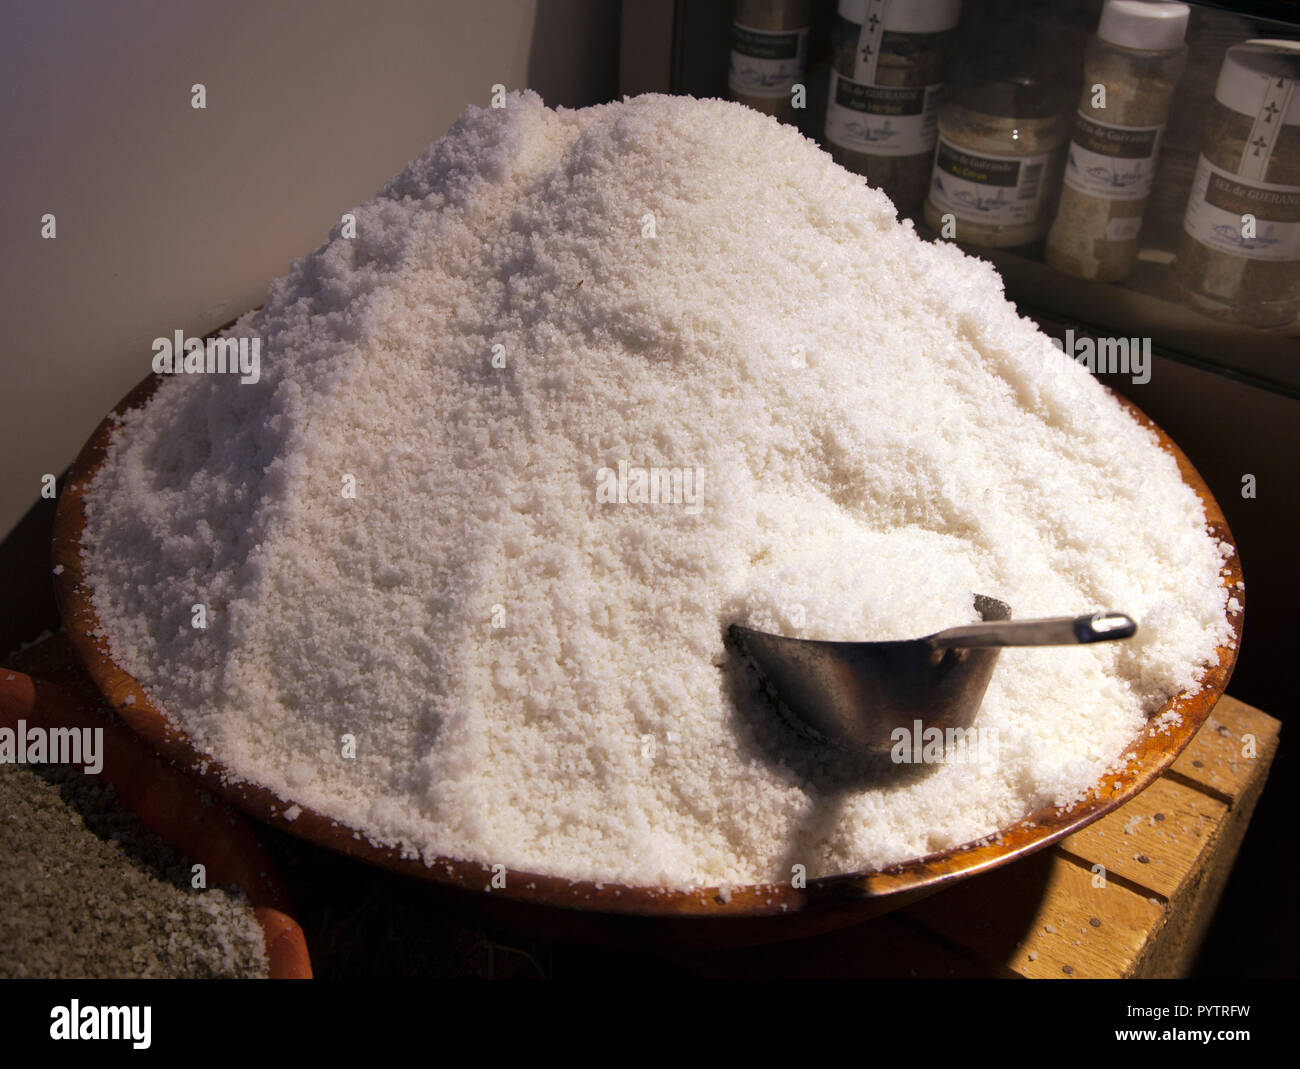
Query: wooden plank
(1155, 840)
(1217, 758)
(1045, 916)
(1192, 910)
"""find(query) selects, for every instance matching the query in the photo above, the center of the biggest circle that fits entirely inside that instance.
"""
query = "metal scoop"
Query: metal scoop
(854, 695)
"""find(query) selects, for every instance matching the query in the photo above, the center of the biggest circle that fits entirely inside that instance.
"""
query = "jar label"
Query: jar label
(766, 63)
(1253, 220)
(996, 190)
(883, 120)
(1115, 162)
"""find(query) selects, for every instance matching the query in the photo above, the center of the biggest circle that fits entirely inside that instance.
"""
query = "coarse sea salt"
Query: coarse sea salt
(525, 652)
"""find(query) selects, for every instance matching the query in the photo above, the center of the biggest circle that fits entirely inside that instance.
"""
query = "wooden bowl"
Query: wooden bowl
(557, 908)
(174, 808)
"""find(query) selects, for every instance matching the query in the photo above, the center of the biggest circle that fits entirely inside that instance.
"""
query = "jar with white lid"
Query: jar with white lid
(1239, 252)
(887, 85)
(769, 54)
(1131, 69)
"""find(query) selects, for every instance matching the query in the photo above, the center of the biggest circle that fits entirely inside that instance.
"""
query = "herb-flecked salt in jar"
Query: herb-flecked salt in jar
(769, 54)
(1130, 71)
(998, 156)
(1239, 253)
(887, 86)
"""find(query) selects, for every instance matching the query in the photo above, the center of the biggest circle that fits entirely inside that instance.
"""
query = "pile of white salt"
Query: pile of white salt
(404, 532)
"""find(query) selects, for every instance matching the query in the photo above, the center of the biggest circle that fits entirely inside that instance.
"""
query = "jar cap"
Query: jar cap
(908, 16)
(1149, 25)
(1254, 72)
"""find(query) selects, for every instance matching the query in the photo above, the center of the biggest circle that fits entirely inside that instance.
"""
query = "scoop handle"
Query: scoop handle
(1047, 631)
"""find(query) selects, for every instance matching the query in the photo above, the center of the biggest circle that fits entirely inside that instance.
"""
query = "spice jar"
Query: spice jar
(998, 155)
(769, 54)
(1131, 68)
(887, 86)
(1239, 252)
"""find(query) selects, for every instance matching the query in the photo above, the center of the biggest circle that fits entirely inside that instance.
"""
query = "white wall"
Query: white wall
(169, 217)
